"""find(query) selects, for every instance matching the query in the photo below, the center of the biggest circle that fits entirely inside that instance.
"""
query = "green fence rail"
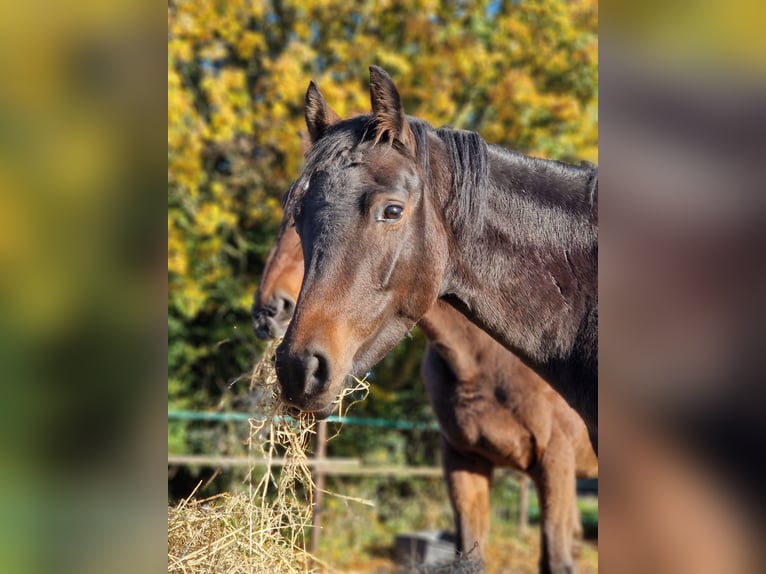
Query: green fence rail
(586, 485)
(180, 415)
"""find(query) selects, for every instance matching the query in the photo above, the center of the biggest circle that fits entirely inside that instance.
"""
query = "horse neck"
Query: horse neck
(527, 272)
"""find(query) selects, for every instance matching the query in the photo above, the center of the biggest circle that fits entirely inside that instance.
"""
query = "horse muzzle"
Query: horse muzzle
(305, 379)
(267, 327)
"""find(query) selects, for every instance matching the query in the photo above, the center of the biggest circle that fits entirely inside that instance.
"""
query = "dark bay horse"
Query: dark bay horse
(394, 214)
(493, 411)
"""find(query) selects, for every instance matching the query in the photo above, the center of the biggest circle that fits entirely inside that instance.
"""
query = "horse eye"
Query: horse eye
(392, 212)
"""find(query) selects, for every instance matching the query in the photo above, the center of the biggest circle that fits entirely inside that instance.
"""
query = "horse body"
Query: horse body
(493, 411)
(393, 214)
(528, 274)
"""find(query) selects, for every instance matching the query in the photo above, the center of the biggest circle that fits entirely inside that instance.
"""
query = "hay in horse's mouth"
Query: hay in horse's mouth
(360, 388)
(274, 432)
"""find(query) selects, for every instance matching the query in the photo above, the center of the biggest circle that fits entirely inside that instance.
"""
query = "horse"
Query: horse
(394, 214)
(493, 411)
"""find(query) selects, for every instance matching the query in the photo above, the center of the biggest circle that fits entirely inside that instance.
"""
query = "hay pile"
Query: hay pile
(265, 529)
(214, 535)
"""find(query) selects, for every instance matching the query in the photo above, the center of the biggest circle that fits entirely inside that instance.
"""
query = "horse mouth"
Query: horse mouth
(318, 415)
(266, 327)
(317, 409)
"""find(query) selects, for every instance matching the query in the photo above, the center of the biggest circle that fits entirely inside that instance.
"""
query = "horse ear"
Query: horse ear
(319, 116)
(387, 109)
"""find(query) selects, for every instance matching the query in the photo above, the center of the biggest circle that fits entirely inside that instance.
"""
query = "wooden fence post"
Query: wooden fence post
(319, 475)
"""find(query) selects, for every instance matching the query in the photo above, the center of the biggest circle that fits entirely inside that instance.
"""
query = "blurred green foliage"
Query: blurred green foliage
(524, 75)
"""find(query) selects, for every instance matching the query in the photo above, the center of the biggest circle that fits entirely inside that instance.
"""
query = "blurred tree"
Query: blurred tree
(522, 74)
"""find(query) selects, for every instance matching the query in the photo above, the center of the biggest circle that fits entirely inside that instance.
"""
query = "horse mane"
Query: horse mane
(468, 162)
(467, 156)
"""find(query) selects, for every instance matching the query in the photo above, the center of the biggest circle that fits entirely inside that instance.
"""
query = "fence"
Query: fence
(323, 466)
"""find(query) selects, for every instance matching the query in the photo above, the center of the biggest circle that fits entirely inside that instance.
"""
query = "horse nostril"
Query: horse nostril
(282, 306)
(303, 375)
(288, 306)
(317, 370)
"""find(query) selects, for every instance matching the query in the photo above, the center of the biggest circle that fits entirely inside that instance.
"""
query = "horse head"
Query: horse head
(372, 256)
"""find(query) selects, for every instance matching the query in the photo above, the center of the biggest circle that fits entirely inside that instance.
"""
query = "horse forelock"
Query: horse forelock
(336, 147)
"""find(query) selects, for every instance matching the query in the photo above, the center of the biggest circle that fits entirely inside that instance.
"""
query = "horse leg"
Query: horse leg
(577, 530)
(557, 494)
(468, 481)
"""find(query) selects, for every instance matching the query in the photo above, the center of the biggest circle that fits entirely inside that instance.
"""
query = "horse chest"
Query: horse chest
(465, 426)
(479, 425)
(478, 416)
(471, 423)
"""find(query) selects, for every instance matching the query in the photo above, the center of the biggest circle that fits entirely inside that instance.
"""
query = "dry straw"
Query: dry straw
(265, 529)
